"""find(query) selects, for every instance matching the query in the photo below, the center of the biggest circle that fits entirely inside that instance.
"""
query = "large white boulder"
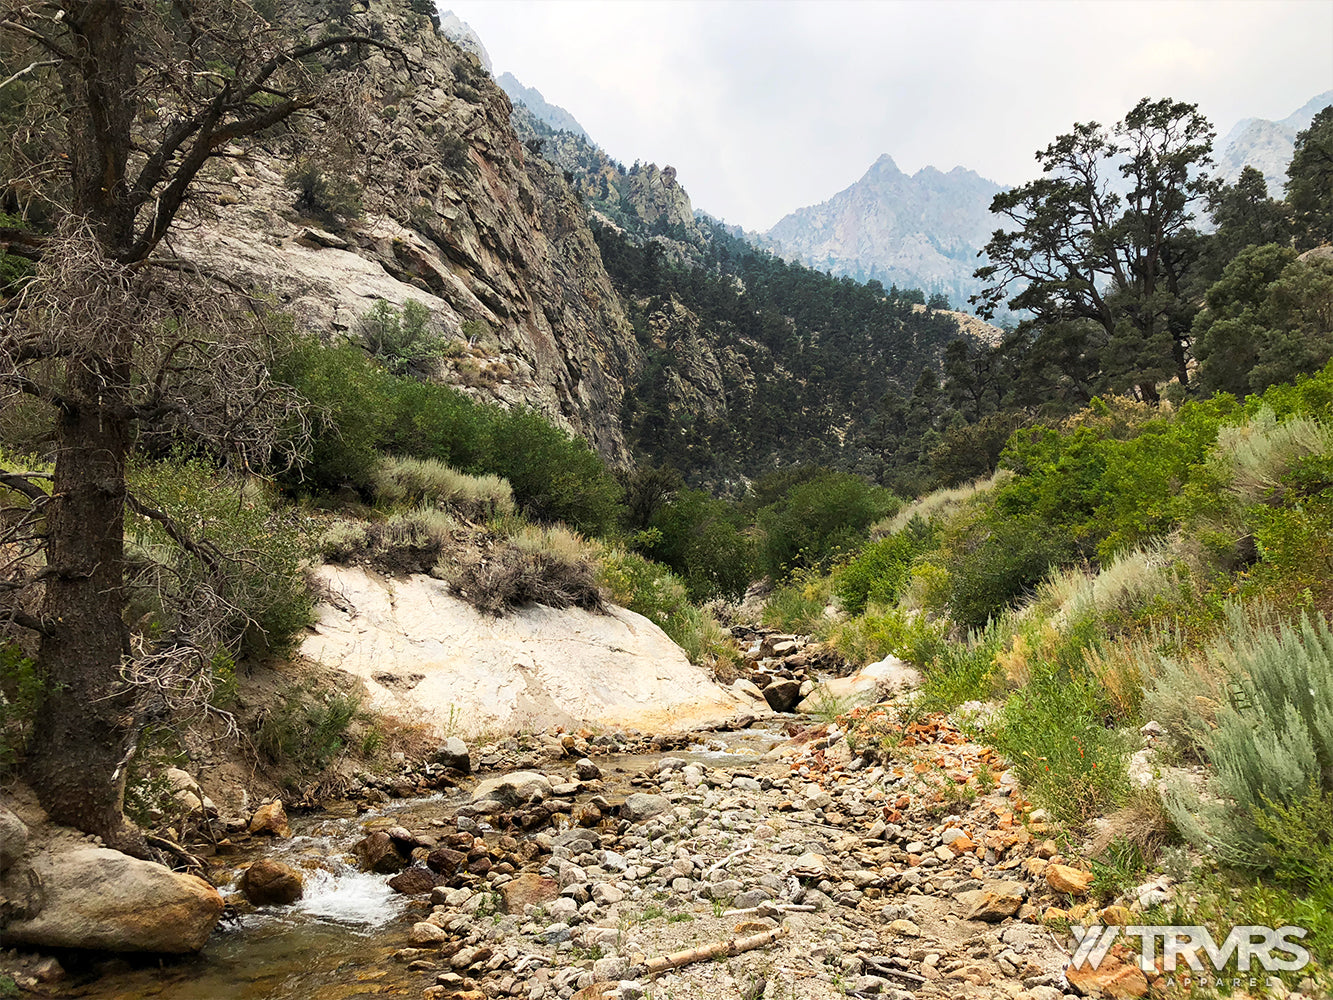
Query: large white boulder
(867, 686)
(428, 657)
(103, 900)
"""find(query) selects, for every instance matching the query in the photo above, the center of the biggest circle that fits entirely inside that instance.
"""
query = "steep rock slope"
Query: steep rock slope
(919, 231)
(457, 214)
(552, 114)
(1266, 145)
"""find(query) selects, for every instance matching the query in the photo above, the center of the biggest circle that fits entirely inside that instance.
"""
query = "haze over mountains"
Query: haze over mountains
(923, 230)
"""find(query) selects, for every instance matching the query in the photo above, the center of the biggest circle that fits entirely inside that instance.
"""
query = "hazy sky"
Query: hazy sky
(764, 107)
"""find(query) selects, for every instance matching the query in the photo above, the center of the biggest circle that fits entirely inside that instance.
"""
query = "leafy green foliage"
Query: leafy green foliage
(703, 540)
(1310, 181)
(879, 574)
(817, 520)
(403, 339)
(20, 694)
(660, 596)
(330, 199)
(307, 729)
(257, 550)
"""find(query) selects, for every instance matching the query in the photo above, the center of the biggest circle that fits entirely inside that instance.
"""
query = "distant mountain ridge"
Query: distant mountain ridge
(921, 230)
(552, 114)
(1266, 145)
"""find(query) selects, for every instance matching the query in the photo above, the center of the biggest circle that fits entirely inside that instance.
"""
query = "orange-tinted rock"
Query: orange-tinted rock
(1062, 878)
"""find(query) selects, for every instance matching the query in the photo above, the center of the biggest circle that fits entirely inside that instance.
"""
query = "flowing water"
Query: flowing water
(337, 942)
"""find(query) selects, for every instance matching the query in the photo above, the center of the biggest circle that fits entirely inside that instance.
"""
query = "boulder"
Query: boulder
(376, 852)
(528, 888)
(586, 770)
(782, 695)
(187, 794)
(1113, 978)
(454, 753)
(641, 806)
(445, 860)
(13, 838)
(103, 900)
(515, 789)
(414, 881)
(865, 687)
(271, 818)
(268, 882)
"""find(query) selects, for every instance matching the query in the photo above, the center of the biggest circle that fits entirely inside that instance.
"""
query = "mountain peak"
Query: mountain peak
(462, 34)
(552, 114)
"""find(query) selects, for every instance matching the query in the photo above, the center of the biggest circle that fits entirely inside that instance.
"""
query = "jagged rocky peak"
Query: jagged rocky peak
(656, 195)
(1266, 145)
(461, 34)
(919, 231)
(552, 114)
(440, 203)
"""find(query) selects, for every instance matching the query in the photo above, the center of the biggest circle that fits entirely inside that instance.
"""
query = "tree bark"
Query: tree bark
(76, 762)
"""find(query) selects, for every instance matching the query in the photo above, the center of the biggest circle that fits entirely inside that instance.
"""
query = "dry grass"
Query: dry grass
(937, 504)
(408, 542)
(1132, 581)
(513, 577)
(431, 482)
(1256, 454)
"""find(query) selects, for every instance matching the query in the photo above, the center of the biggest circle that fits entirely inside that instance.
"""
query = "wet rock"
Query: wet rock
(414, 881)
(528, 889)
(782, 695)
(271, 818)
(377, 852)
(514, 789)
(454, 754)
(426, 935)
(586, 770)
(268, 882)
(445, 860)
(641, 806)
(13, 838)
(102, 900)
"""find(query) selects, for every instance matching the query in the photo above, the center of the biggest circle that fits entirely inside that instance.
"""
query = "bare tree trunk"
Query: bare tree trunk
(85, 723)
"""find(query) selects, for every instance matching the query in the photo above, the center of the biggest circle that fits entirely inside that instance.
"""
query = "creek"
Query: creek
(338, 941)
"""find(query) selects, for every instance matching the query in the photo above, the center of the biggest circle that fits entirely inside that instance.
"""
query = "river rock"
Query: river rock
(864, 687)
(414, 881)
(586, 770)
(528, 888)
(641, 806)
(13, 838)
(514, 789)
(271, 818)
(376, 853)
(445, 860)
(454, 753)
(782, 695)
(187, 794)
(424, 935)
(103, 900)
(271, 882)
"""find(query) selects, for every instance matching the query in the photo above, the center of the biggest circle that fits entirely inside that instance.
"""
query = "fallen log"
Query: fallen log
(718, 949)
(783, 907)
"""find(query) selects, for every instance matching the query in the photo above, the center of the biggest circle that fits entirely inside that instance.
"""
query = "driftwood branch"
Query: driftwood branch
(718, 949)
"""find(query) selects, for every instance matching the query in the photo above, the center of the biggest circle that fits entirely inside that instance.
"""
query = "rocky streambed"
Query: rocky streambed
(772, 862)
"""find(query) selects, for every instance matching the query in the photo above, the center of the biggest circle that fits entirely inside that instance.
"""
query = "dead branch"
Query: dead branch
(718, 949)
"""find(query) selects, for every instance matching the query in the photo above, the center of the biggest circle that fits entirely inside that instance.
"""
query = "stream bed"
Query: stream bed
(338, 941)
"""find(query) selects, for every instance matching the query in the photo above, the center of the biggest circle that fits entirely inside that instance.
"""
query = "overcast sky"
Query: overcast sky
(764, 107)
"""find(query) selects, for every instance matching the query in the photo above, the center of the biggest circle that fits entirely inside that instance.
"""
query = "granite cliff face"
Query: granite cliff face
(917, 231)
(456, 214)
(1266, 145)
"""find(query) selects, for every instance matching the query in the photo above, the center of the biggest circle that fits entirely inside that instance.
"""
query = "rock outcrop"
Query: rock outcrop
(103, 900)
(532, 669)
(457, 214)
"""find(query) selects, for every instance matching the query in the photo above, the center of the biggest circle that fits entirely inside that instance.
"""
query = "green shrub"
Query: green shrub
(409, 541)
(882, 569)
(798, 605)
(660, 596)
(429, 481)
(20, 694)
(1000, 559)
(817, 520)
(403, 339)
(1271, 741)
(1066, 758)
(704, 541)
(328, 199)
(308, 729)
(253, 598)
(958, 671)
(907, 635)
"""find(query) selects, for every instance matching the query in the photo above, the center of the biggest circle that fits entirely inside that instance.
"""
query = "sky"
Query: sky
(765, 107)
